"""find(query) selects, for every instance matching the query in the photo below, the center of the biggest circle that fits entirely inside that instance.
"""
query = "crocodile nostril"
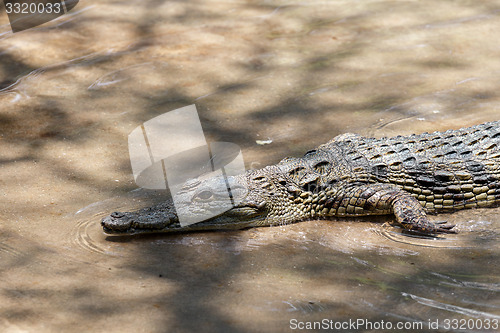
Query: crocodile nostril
(117, 215)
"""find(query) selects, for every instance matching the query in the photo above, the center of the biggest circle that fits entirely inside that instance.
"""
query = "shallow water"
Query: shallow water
(290, 74)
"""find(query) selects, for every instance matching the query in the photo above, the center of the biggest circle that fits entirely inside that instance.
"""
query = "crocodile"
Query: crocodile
(351, 175)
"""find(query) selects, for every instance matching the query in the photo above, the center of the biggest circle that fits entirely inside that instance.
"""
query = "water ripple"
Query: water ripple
(449, 307)
(124, 74)
(87, 233)
(84, 233)
(471, 234)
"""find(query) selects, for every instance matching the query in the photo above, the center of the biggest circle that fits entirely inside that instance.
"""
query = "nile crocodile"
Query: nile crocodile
(351, 175)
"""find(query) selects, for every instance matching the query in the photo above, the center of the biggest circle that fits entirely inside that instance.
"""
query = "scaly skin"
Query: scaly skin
(349, 176)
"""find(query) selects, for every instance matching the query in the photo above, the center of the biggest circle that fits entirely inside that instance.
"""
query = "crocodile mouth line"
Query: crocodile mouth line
(226, 221)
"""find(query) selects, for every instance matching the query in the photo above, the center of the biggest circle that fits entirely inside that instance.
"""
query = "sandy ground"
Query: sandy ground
(294, 73)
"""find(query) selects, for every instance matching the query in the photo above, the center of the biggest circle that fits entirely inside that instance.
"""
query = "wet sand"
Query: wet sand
(295, 73)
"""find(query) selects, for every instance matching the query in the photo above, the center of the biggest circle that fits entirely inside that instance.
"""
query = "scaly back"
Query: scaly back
(443, 170)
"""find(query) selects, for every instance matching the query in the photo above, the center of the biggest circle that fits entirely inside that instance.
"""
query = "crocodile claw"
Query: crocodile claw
(443, 227)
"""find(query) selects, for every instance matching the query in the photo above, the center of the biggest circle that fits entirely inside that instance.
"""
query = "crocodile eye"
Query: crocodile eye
(204, 196)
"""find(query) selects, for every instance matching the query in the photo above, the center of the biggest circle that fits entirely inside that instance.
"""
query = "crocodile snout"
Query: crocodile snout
(116, 221)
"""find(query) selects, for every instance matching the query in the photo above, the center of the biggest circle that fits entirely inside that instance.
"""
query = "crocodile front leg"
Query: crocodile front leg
(378, 199)
(407, 209)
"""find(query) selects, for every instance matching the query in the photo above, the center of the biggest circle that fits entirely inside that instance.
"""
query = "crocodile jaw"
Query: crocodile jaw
(134, 223)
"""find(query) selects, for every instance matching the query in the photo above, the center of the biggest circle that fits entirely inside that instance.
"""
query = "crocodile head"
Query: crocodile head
(256, 199)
